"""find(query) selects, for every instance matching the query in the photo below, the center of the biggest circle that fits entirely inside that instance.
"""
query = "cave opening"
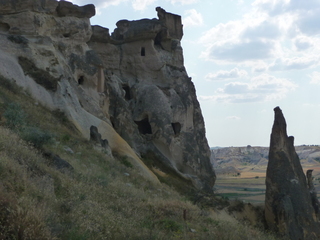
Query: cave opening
(143, 51)
(157, 40)
(176, 128)
(127, 95)
(66, 35)
(81, 80)
(144, 126)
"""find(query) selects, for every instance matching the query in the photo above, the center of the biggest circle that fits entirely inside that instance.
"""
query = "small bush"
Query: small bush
(36, 136)
(170, 225)
(15, 117)
(124, 161)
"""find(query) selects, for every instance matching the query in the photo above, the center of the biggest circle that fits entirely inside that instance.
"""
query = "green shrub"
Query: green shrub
(15, 117)
(170, 225)
(124, 161)
(36, 136)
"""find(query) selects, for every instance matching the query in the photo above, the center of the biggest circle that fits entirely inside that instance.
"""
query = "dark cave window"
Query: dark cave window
(144, 126)
(81, 80)
(126, 88)
(66, 35)
(176, 128)
(143, 51)
(157, 40)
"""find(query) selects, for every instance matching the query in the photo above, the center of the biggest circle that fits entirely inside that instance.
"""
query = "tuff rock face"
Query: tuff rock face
(288, 205)
(130, 87)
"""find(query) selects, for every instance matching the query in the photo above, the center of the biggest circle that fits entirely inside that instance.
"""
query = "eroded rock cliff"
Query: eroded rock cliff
(288, 205)
(131, 85)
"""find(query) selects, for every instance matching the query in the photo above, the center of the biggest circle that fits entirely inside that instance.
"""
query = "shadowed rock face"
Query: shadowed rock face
(156, 109)
(288, 207)
(313, 194)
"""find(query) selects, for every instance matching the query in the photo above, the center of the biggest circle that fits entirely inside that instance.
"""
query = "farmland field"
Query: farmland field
(249, 186)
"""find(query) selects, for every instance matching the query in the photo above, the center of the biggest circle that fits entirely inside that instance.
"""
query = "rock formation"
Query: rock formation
(313, 194)
(288, 206)
(131, 84)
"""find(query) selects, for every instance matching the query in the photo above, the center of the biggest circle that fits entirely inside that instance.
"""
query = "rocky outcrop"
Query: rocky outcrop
(288, 207)
(313, 194)
(131, 86)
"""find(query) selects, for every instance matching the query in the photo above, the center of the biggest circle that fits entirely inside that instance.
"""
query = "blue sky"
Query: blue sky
(245, 58)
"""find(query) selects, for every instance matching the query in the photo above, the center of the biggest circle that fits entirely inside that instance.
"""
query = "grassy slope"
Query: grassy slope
(100, 198)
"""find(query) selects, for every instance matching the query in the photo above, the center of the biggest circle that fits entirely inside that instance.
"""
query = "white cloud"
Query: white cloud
(183, 2)
(233, 118)
(315, 77)
(259, 66)
(98, 3)
(193, 18)
(302, 43)
(308, 23)
(249, 39)
(260, 89)
(294, 63)
(265, 30)
(277, 7)
(140, 5)
(241, 51)
(224, 75)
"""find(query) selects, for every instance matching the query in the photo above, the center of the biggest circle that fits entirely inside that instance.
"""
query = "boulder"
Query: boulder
(288, 205)
(56, 161)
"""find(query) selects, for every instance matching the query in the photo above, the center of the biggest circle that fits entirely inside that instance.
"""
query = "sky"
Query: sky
(245, 58)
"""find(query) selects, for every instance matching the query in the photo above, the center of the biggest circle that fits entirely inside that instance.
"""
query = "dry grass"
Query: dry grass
(101, 198)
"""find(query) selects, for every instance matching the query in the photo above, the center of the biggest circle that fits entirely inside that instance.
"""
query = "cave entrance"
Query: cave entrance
(157, 40)
(144, 126)
(176, 128)
(81, 80)
(143, 51)
(127, 95)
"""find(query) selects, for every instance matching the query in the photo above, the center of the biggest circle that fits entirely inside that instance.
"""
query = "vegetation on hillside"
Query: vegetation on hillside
(54, 184)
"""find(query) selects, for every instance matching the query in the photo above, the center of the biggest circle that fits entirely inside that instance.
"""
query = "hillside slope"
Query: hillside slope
(55, 184)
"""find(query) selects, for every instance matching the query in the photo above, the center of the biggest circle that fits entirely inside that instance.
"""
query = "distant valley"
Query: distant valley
(235, 159)
(241, 171)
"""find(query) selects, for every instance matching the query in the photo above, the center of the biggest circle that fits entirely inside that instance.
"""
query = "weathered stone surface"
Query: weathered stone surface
(313, 194)
(16, 6)
(57, 162)
(131, 85)
(96, 137)
(67, 9)
(288, 208)
(129, 31)
(172, 22)
(100, 34)
(153, 101)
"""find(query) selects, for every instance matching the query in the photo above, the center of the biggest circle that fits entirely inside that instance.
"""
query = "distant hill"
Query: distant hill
(232, 159)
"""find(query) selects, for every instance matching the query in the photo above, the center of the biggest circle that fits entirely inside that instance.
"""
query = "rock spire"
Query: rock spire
(288, 205)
